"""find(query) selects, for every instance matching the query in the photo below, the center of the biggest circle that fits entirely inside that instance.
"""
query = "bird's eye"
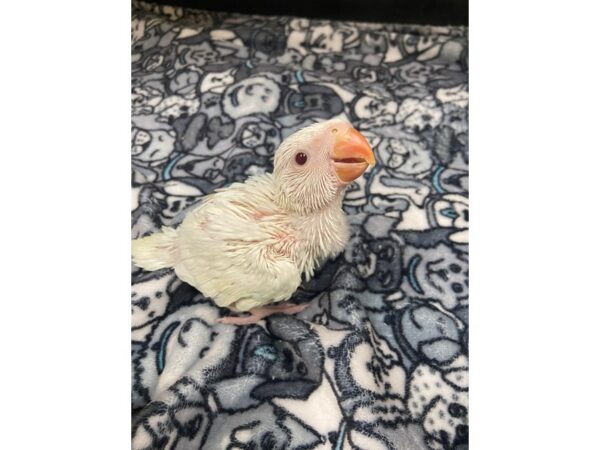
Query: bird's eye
(301, 158)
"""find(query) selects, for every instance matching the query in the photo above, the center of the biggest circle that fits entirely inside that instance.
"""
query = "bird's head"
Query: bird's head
(314, 165)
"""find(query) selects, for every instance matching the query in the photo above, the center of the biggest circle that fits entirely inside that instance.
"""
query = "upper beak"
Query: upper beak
(351, 155)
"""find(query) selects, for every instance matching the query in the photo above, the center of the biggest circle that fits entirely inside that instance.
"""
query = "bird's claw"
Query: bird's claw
(261, 312)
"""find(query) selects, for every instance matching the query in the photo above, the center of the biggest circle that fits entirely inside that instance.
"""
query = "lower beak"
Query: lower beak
(351, 155)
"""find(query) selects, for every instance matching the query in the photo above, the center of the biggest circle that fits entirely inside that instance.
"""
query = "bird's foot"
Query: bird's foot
(261, 312)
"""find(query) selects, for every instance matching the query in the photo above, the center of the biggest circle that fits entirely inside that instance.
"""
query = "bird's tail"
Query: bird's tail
(157, 251)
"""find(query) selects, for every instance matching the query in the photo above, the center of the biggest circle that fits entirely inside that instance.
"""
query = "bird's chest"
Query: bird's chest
(316, 238)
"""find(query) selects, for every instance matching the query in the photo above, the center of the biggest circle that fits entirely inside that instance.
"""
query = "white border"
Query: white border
(534, 260)
(65, 315)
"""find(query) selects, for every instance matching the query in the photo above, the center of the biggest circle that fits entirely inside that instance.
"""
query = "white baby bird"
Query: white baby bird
(248, 245)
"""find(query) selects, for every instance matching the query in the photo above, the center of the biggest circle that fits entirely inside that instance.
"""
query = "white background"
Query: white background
(65, 249)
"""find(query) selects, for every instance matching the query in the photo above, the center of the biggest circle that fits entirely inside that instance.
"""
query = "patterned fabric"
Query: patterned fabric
(379, 359)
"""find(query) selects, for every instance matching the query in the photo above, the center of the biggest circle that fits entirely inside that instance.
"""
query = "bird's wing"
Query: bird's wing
(236, 247)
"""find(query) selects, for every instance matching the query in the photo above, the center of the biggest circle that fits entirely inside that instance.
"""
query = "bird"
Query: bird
(249, 245)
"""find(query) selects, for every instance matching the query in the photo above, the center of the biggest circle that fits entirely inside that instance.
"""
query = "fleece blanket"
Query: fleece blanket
(379, 360)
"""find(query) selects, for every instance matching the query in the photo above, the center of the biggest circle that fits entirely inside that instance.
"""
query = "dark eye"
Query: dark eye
(301, 158)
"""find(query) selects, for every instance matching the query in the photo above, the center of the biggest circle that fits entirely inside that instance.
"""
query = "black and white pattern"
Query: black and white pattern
(379, 360)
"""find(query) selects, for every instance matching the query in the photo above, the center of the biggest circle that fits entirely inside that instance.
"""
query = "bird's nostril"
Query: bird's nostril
(335, 130)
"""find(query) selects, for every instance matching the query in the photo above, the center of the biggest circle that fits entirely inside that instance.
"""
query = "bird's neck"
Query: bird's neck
(316, 222)
(321, 234)
(304, 209)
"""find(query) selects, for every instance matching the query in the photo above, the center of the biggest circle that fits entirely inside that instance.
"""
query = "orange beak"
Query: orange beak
(351, 155)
